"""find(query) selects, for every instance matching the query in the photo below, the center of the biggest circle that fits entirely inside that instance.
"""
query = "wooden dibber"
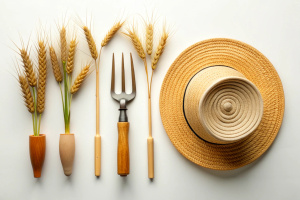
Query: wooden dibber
(150, 157)
(123, 149)
(67, 152)
(37, 149)
(97, 154)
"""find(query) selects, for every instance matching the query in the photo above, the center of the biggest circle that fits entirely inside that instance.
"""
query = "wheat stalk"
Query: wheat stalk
(111, 33)
(28, 67)
(131, 33)
(28, 100)
(160, 49)
(136, 42)
(55, 65)
(42, 77)
(63, 45)
(79, 79)
(91, 42)
(70, 63)
(149, 38)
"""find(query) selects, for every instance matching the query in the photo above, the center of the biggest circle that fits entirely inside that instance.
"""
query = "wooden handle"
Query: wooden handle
(97, 155)
(123, 149)
(150, 158)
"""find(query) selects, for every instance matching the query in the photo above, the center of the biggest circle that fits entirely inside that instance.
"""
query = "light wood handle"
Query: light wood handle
(123, 149)
(97, 155)
(150, 157)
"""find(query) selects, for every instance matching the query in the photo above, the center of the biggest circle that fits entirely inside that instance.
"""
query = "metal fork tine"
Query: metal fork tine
(112, 90)
(123, 95)
(132, 75)
(123, 74)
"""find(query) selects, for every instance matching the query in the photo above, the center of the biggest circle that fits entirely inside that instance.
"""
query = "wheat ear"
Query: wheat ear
(79, 79)
(136, 42)
(42, 77)
(63, 45)
(70, 63)
(149, 38)
(91, 42)
(28, 100)
(160, 49)
(55, 66)
(28, 67)
(111, 33)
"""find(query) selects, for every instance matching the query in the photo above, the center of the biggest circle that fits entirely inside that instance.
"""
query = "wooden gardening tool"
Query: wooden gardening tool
(123, 125)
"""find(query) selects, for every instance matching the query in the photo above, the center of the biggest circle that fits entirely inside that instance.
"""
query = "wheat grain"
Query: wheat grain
(91, 42)
(63, 45)
(42, 77)
(70, 63)
(136, 42)
(30, 74)
(55, 66)
(111, 33)
(149, 38)
(79, 79)
(28, 100)
(160, 49)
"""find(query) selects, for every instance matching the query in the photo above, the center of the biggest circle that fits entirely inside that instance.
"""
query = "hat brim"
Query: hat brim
(256, 68)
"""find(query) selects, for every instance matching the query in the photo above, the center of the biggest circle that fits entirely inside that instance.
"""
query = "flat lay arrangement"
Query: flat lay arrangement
(221, 101)
(149, 100)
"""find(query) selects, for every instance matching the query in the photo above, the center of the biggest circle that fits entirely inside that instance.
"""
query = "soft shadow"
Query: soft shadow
(38, 180)
(228, 173)
(68, 179)
(124, 179)
(124, 182)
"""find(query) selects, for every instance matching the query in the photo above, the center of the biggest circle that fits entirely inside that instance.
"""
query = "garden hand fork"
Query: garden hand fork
(123, 125)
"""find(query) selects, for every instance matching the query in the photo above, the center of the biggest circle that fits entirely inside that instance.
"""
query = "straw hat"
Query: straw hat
(222, 104)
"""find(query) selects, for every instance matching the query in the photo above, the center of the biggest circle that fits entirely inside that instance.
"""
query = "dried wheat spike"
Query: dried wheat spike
(70, 63)
(28, 100)
(136, 42)
(55, 66)
(111, 33)
(63, 45)
(160, 49)
(28, 67)
(42, 77)
(149, 38)
(91, 42)
(79, 79)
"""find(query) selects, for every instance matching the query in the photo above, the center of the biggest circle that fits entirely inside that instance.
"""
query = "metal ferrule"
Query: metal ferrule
(123, 116)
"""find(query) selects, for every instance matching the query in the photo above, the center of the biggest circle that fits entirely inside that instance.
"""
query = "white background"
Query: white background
(271, 26)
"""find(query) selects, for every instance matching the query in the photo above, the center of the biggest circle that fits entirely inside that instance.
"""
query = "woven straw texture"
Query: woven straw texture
(256, 68)
(221, 105)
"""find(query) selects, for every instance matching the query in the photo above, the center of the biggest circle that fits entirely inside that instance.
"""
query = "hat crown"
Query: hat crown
(221, 105)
